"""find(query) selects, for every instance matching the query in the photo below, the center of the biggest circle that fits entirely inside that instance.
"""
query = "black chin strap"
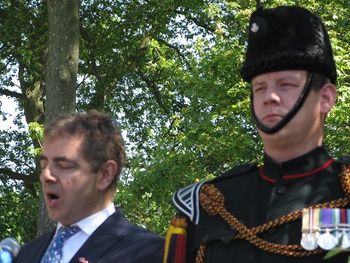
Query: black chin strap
(298, 104)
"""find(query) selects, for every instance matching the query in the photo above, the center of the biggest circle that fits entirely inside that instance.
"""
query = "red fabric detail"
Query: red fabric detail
(343, 216)
(312, 172)
(270, 180)
(297, 176)
(180, 253)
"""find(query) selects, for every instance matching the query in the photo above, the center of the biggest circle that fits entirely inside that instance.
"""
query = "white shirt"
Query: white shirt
(87, 226)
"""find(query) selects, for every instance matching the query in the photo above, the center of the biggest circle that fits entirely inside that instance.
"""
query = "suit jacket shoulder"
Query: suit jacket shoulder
(118, 240)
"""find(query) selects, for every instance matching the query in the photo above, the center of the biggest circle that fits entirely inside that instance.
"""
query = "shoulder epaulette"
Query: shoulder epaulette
(238, 170)
(344, 159)
(187, 201)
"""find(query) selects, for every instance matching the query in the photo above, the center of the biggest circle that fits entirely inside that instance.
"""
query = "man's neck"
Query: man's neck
(281, 153)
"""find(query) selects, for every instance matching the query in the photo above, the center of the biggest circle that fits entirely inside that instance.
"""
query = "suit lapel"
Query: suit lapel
(104, 237)
(39, 248)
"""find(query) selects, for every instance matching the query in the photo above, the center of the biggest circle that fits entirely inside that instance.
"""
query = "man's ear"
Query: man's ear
(328, 97)
(106, 175)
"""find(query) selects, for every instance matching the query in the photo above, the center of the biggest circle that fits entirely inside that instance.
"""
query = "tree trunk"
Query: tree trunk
(61, 71)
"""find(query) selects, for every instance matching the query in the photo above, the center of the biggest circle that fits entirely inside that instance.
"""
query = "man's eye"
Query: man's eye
(288, 85)
(258, 89)
(65, 165)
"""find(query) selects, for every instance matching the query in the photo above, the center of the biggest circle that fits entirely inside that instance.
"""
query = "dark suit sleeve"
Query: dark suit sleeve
(33, 251)
(150, 251)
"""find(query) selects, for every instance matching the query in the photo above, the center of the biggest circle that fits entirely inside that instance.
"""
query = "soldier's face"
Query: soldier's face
(275, 94)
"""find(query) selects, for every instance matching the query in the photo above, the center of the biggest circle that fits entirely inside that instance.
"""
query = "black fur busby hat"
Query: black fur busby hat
(286, 38)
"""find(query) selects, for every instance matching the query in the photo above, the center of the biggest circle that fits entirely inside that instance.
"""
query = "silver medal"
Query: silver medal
(308, 241)
(327, 241)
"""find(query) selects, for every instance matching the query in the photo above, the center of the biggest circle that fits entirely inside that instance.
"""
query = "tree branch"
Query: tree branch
(154, 90)
(177, 50)
(197, 21)
(11, 93)
(200, 23)
(27, 179)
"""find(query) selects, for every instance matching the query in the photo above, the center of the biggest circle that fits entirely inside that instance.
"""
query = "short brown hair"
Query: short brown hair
(103, 140)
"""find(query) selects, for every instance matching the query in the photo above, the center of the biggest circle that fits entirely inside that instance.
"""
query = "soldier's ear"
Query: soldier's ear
(106, 175)
(328, 97)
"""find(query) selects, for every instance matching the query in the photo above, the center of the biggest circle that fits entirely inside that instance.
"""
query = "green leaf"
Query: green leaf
(335, 252)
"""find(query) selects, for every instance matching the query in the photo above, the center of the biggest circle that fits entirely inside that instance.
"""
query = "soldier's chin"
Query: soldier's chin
(268, 125)
(271, 122)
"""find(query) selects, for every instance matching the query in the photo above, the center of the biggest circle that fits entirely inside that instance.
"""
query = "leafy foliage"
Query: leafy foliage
(168, 71)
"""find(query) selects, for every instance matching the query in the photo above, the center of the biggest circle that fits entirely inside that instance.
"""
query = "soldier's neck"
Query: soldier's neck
(284, 152)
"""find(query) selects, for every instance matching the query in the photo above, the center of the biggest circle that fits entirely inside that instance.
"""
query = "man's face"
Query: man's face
(275, 94)
(68, 184)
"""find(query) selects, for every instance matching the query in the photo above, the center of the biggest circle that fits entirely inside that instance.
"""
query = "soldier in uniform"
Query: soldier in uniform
(254, 214)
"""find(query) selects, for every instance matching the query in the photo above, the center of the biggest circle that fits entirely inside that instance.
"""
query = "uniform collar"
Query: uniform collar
(303, 166)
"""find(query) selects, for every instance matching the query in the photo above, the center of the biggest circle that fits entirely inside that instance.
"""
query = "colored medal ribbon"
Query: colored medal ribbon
(308, 239)
(327, 239)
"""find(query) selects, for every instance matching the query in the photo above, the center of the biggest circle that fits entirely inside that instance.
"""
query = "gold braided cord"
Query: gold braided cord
(213, 202)
(345, 180)
(200, 254)
(341, 202)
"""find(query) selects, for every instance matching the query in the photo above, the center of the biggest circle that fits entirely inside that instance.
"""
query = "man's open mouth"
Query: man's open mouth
(51, 196)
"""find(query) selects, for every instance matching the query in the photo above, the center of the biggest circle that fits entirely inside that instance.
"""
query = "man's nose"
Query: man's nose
(271, 96)
(47, 175)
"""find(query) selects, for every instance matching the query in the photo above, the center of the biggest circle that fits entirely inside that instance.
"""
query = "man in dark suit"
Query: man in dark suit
(82, 157)
(269, 213)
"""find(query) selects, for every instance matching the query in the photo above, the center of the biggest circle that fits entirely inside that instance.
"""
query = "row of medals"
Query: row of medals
(326, 238)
